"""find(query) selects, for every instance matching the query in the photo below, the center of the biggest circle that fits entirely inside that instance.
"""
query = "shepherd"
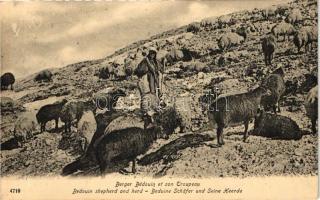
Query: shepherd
(149, 73)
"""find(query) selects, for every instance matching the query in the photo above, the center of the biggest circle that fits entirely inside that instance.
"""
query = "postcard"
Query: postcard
(116, 100)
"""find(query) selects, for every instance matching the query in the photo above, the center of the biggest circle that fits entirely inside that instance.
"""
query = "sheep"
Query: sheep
(311, 106)
(112, 70)
(104, 73)
(162, 55)
(117, 66)
(283, 29)
(276, 127)
(44, 75)
(7, 79)
(124, 138)
(231, 57)
(209, 23)
(294, 16)
(300, 39)
(108, 99)
(268, 44)
(118, 71)
(223, 21)
(180, 54)
(130, 119)
(193, 27)
(167, 118)
(8, 105)
(50, 112)
(243, 31)
(170, 118)
(255, 11)
(162, 58)
(73, 110)
(86, 128)
(275, 83)
(129, 66)
(236, 108)
(6, 102)
(88, 159)
(201, 67)
(204, 22)
(269, 12)
(194, 67)
(122, 121)
(282, 9)
(149, 104)
(228, 40)
(126, 144)
(305, 37)
(25, 127)
(256, 16)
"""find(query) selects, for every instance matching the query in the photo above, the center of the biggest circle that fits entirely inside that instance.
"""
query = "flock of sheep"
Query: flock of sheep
(107, 147)
(244, 107)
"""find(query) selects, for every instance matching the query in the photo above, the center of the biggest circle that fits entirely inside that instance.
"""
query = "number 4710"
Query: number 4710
(15, 190)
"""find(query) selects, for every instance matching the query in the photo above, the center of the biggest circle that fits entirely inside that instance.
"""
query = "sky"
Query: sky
(40, 35)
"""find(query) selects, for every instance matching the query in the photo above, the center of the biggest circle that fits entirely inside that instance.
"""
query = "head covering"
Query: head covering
(152, 49)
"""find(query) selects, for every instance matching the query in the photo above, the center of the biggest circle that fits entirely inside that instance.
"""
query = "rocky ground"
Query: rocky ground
(244, 69)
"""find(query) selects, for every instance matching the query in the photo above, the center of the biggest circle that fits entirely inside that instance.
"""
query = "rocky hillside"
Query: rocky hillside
(243, 68)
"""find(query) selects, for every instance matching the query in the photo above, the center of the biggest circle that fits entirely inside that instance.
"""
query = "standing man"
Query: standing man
(153, 72)
(148, 72)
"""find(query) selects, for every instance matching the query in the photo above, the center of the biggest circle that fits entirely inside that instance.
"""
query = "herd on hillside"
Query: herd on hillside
(106, 145)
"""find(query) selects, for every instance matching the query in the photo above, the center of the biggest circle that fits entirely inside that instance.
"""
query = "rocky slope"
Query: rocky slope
(244, 69)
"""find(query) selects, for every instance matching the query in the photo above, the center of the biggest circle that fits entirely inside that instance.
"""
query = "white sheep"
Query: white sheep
(311, 106)
(86, 128)
(228, 40)
(25, 127)
(294, 16)
(283, 29)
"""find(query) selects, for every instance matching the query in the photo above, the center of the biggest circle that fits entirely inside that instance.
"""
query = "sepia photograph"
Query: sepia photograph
(145, 91)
